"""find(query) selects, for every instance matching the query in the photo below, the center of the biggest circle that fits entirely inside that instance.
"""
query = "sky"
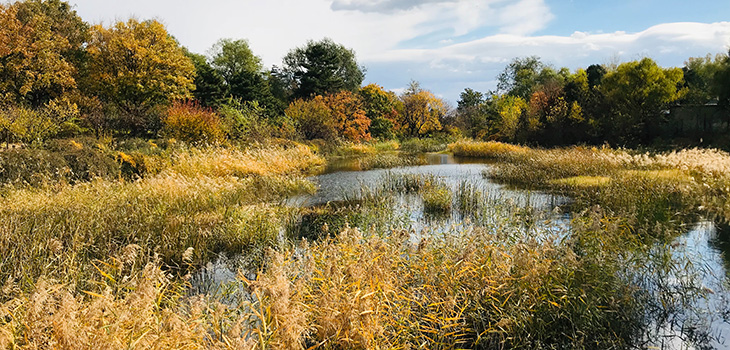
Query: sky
(445, 45)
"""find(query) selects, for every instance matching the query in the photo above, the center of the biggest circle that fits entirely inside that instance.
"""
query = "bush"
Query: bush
(313, 119)
(188, 121)
(245, 121)
(69, 161)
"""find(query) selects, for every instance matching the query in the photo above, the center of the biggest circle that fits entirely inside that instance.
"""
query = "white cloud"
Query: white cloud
(434, 30)
(477, 62)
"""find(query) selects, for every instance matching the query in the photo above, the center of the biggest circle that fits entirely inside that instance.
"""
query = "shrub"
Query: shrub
(191, 122)
(245, 121)
(313, 119)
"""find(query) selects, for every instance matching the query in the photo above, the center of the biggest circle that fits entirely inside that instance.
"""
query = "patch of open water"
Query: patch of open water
(702, 323)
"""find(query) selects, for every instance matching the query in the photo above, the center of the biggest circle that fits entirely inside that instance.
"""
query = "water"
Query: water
(694, 291)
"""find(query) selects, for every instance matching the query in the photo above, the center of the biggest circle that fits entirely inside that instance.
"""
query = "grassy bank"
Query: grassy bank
(644, 188)
(206, 202)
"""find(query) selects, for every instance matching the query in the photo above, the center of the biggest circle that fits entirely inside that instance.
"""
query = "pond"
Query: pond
(693, 292)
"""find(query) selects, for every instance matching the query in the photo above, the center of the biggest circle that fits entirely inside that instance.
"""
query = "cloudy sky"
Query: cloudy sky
(446, 45)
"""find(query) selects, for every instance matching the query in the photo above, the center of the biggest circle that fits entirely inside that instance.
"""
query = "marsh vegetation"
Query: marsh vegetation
(568, 248)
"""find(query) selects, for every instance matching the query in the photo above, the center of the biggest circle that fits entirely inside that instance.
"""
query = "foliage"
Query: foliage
(243, 73)
(350, 120)
(422, 111)
(35, 125)
(510, 110)
(639, 92)
(313, 118)
(40, 44)
(188, 121)
(135, 66)
(321, 68)
(210, 87)
(382, 108)
(520, 77)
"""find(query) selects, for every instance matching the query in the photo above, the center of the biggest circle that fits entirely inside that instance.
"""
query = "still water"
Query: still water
(695, 289)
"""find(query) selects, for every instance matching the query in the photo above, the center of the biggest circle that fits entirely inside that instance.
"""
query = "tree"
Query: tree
(520, 77)
(639, 92)
(510, 110)
(231, 58)
(243, 74)
(422, 111)
(320, 68)
(41, 42)
(210, 87)
(313, 118)
(473, 113)
(350, 119)
(135, 66)
(381, 107)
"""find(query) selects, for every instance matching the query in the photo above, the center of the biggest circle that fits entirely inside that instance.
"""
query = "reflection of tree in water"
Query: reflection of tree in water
(721, 242)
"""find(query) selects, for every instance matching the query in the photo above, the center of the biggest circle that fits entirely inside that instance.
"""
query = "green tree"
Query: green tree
(381, 107)
(243, 74)
(210, 87)
(320, 68)
(520, 77)
(136, 66)
(474, 114)
(639, 93)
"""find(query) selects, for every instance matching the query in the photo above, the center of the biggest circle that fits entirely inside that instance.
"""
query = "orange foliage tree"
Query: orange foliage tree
(348, 115)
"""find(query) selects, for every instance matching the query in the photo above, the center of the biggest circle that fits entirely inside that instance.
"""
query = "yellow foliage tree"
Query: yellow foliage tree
(138, 65)
(510, 110)
(38, 40)
(422, 111)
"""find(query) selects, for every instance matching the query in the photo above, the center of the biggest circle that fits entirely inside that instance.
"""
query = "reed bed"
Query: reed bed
(651, 188)
(361, 290)
(67, 233)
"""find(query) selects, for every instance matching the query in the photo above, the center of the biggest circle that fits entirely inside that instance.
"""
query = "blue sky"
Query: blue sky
(446, 45)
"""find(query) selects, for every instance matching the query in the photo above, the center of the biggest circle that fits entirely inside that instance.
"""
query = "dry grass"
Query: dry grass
(665, 187)
(219, 208)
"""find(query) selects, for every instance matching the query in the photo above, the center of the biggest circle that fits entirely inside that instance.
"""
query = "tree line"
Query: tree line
(621, 104)
(61, 76)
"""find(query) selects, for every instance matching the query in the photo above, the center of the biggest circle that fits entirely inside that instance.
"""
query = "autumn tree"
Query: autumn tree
(320, 68)
(510, 111)
(136, 66)
(422, 111)
(351, 121)
(312, 118)
(41, 42)
(382, 108)
(639, 93)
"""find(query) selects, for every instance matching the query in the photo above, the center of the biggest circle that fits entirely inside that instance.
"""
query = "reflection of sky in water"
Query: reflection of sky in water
(698, 277)
(340, 185)
(698, 255)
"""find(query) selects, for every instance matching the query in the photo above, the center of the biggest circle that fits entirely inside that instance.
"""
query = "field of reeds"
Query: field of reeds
(108, 262)
(642, 187)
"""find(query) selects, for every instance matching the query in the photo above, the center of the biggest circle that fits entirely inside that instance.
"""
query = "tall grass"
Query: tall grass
(221, 207)
(649, 188)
